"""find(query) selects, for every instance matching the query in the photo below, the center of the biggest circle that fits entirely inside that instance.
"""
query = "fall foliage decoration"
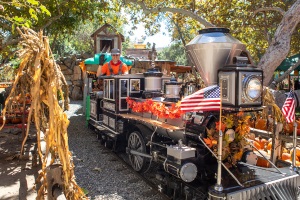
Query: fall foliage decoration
(235, 128)
(39, 75)
(157, 108)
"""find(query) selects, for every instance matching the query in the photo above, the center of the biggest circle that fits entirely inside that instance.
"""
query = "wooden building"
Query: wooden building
(106, 38)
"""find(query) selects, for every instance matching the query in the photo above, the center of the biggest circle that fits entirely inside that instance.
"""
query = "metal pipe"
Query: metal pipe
(222, 163)
(128, 150)
(218, 186)
(294, 168)
(264, 157)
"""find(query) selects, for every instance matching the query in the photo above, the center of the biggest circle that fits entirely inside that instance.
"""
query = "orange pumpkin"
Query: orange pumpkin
(261, 124)
(261, 162)
(297, 151)
(256, 145)
(261, 141)
(298, 123)
(286, 156)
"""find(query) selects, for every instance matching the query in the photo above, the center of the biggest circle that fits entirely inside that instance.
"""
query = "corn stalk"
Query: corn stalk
(39, 75)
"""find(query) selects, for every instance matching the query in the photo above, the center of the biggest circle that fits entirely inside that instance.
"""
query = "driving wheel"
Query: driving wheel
(136, 142)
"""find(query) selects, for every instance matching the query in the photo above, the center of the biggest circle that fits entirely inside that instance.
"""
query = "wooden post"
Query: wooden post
(276, 143)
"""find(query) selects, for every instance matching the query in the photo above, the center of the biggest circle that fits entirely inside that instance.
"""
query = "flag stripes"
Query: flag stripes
(288, 108)
(206, 99)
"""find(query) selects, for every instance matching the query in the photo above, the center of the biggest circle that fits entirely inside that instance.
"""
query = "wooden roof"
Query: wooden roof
(106, 29)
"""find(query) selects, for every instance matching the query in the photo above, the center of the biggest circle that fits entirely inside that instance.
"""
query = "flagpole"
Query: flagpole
(218, 187)
(294, 167)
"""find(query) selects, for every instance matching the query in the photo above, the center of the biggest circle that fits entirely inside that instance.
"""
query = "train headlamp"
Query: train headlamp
(241, 88)
(252, 88)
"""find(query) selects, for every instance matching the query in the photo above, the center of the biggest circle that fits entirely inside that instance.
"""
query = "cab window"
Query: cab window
(109, 85)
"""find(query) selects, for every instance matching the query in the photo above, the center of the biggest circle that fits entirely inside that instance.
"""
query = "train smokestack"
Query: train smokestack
(213, 49)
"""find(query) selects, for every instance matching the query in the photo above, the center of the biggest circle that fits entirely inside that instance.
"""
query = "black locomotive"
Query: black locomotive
(187, 167)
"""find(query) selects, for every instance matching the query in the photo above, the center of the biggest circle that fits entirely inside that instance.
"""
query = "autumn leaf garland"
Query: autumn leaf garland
(157, 108)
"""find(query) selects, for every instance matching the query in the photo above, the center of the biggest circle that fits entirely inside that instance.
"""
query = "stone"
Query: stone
(77, 93)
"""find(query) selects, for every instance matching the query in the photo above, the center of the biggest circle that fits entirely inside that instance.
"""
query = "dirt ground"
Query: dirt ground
(17, 174)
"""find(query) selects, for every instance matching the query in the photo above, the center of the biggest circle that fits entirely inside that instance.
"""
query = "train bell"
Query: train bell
(172, 90)
(152, 83)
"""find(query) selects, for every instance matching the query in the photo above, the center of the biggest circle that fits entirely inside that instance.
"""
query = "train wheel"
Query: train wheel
(136, 142)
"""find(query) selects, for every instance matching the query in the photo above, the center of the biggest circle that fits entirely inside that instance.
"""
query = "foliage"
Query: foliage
(255, 30)
(65, 19)
(76, 43)
(21, 13)
(176, 52)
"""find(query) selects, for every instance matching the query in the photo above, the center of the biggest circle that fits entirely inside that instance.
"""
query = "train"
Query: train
(140, 115)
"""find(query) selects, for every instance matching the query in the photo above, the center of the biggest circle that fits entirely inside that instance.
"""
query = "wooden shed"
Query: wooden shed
(107, 38)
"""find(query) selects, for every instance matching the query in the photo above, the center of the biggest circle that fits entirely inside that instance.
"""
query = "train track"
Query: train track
(148, 177)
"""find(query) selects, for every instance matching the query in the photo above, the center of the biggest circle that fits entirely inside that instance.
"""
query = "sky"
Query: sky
(159, 39)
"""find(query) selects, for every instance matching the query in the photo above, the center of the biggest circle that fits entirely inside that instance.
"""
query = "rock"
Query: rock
(77, 93)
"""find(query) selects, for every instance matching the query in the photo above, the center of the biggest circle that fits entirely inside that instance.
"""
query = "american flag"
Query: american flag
(288, 108)
(206, 99)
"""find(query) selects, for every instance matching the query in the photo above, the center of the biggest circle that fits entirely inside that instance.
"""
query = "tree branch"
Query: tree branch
(280, 46)
(50, 21)
(172, 10)
(282, 12)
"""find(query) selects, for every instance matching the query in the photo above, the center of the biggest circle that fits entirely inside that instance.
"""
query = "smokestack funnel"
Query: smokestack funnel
(211, 50)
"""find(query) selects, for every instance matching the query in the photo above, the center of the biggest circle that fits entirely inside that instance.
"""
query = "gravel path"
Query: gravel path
(96, 169)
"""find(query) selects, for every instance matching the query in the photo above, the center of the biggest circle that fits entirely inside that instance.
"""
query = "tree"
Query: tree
(241, 18)
(56, 18)
(175, 52)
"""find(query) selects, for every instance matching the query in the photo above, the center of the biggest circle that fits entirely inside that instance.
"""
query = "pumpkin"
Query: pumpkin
(297, 151)
(261, 162)
(256, 145)
(286, 156)
(261, 124)
(262, 142)
(298, 123)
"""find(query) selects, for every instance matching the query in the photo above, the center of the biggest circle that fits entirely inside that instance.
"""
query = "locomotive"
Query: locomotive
(174, 146)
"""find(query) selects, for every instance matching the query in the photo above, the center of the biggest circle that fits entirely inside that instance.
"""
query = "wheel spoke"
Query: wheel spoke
(135, 142)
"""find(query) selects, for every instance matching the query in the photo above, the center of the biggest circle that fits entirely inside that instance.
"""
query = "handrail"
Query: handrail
(222, 163)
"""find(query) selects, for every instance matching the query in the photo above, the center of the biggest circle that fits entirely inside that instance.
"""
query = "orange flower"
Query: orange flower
(223, 126)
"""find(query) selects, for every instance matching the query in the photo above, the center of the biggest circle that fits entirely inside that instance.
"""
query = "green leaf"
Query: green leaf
(33, 14)
(45, 10)
(18, 19)
(33, 2)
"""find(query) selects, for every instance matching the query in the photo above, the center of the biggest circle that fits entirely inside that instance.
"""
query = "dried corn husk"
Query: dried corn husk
(39, 75)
